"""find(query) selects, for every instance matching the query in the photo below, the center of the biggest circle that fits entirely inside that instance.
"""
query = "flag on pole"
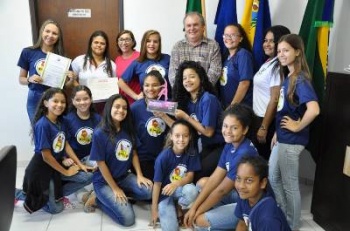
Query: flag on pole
(194, 6)
(226, 14)
(256, 19)
(318, 18)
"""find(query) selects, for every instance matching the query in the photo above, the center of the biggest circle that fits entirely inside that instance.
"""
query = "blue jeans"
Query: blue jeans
(284, 180)
(184, 196)
(71, 185)
(32, 103)
(122, 214)
(222, 216)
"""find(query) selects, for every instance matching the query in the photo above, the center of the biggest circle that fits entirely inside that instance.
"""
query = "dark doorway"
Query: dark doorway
(79, 19)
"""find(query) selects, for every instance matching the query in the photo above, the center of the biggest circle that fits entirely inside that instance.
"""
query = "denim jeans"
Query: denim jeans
(284, 180)
(184, 196)
(222, 216)
(122, 214)
(32, 102)
(71, 185)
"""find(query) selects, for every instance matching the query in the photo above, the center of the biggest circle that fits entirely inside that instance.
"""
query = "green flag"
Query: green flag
(194, 6)
(318, 17)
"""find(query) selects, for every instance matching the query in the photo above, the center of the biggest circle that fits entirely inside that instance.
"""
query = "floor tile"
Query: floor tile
(76, 219)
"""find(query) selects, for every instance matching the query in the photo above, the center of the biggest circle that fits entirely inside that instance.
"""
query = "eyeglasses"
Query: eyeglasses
(231, 36)
(126, 40)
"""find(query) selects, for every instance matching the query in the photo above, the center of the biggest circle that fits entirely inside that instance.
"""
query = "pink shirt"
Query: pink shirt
(122, 64)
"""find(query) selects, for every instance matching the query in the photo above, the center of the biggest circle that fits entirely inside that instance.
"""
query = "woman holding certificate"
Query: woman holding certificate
(32, 62)
(95, 63)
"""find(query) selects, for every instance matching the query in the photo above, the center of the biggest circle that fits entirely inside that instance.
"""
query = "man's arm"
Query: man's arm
(215, 66)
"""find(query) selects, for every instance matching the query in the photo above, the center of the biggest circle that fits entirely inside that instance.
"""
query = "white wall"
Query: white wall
(140, 15)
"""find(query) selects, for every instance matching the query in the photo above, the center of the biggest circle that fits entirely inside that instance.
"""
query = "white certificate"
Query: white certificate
(102, 88)
(55, 70)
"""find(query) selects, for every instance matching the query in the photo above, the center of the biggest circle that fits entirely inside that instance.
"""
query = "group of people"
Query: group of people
(203, 167)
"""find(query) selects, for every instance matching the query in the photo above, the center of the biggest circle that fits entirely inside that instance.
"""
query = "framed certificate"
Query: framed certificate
(55, 70)
(102, 88)
(162, 106)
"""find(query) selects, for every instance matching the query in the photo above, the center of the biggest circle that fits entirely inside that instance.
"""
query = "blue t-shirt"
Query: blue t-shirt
(52, 136)
(150, 131)
(141, 69)
(33, 60)
(303, 94)
(267, 216)
(207, 110)
(230, 157)
(116, 153)
(170, 167)
(80, 132)
(237, 68)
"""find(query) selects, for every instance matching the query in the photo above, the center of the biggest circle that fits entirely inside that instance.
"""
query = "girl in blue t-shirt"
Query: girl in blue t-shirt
(256, 208)
(43, 178)
(150, 129)
(174, 171)
(297, 108)
(114, 150)
(198, 105)
(81, 122)
(236, 84)
(151, 58)
(32, 62)
(213, 209)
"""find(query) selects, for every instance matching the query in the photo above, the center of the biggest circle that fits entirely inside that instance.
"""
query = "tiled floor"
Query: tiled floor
(76, 219)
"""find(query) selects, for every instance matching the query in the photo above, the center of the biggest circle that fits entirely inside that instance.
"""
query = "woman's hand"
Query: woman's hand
(141, 180)
(139, 96)
(180, 114)
(290, 124)
(190, 217)
(169, 189)
(120, 196)
(35, 79)
(71, 75)
(261, 135)
(72, 170)
(67, 162)
(154, 215)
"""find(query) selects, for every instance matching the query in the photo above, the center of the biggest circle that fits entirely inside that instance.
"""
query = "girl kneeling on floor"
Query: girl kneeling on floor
(113, 148)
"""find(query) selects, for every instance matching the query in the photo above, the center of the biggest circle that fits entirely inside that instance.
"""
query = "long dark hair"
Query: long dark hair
(42, 110)
(75, 90)
(180, 94)
(244, 114)
(90, 58)
(192, 148)
(108, 125)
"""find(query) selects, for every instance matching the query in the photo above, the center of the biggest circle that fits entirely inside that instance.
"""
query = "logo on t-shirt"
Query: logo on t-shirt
(227, 165)
(155, 126)
(156, 67)
(84, 135)
(123, 150)
(58, 142)
(39, 66)
(281, 100)
(223, 78)
(178, 173)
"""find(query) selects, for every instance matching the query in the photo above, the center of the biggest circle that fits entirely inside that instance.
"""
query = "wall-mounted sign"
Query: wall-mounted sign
(79, 13)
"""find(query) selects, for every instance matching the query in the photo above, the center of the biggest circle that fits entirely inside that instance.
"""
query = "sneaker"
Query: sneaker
(67, 204)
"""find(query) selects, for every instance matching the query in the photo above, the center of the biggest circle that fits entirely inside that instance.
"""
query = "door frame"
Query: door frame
(36, 26)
